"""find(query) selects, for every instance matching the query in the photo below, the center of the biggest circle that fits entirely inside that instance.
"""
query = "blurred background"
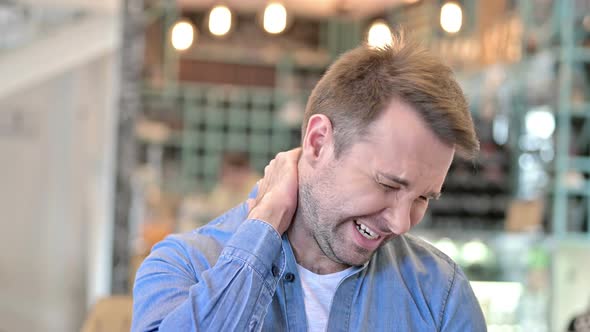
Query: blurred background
(124, 120)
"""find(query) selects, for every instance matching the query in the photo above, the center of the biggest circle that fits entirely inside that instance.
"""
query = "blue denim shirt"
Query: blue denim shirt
(236, 274)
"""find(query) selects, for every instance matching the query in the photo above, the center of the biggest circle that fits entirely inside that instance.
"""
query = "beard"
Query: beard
(321, 212)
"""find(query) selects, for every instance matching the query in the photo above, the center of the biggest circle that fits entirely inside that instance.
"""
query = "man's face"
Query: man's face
(378, 188)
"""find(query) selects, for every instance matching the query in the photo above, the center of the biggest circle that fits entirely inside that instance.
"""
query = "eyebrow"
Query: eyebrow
(401, 181)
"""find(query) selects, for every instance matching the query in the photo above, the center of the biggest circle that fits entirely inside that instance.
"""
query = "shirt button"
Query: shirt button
(289, 277)
(275, 271)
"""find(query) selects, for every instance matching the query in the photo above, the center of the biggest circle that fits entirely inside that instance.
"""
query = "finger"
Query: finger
(251, 203)
(293, 155)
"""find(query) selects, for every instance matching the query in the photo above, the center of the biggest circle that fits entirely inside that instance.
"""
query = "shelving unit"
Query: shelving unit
(261, 118)
(573, 127)
(476, 194)
(215, 119)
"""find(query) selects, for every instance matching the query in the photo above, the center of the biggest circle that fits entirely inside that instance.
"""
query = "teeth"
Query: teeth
(365, 231)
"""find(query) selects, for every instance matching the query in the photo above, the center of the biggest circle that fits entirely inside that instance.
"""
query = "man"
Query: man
(320, 246)
(580, 323)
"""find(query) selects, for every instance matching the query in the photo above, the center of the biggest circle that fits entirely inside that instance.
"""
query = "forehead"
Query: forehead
(399, 141)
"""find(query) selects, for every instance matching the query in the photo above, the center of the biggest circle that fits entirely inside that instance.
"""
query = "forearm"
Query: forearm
(232, 295)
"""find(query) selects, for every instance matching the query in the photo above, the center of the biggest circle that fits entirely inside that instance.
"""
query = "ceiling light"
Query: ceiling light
(183, 35)
(379, 34)
(220, 20)
(275, 18)
(451, 17)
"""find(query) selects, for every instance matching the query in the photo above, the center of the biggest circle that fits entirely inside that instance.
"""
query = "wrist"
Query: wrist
(272, 213)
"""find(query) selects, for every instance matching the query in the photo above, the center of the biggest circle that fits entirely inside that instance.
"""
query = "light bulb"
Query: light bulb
(183, 35)
(451, 17)
(220, 20)
(379, 35)
(275, 18)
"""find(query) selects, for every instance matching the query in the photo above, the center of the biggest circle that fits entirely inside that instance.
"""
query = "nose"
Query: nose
(397, 217)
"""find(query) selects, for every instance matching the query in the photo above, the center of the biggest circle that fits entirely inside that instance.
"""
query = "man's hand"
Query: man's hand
(276, 201)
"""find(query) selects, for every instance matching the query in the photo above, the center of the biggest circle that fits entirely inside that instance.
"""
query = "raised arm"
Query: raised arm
(233, 295)
(173, 292)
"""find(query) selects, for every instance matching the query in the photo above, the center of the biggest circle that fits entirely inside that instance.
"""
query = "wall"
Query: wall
(56, 147)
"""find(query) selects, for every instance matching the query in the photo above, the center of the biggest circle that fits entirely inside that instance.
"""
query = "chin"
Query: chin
(358, 258)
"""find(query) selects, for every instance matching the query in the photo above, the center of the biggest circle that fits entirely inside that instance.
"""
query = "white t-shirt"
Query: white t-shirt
(318, 292)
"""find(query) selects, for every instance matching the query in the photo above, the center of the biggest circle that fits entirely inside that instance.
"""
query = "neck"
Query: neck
(306, 249)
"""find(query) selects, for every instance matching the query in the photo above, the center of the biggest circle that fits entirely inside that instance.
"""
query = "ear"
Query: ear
(318, 143)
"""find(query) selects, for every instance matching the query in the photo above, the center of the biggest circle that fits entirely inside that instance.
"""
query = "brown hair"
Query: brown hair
(362, 82)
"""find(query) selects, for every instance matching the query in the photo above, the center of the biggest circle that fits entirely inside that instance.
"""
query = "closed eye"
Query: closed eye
(388, 187)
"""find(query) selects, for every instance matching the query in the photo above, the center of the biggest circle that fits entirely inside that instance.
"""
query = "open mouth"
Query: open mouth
(365, 231)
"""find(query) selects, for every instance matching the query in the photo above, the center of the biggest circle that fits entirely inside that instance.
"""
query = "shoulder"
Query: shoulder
(419, 265)
(450, 298)
(415, 254)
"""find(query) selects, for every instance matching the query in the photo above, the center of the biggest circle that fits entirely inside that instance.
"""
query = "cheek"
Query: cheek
(368, 203)
(357, 191)
(353, 194)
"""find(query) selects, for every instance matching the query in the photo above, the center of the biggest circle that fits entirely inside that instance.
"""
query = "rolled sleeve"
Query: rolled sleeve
(259, 245)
